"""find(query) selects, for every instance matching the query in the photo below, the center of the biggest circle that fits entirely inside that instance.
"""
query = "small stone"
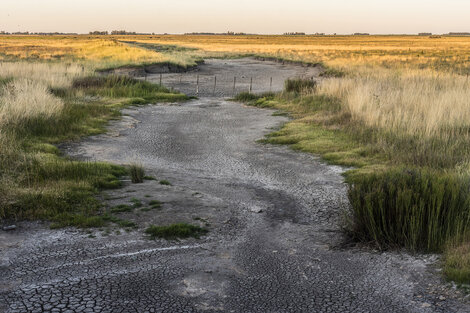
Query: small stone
(442, 298)
(10, 227)
(426, 305)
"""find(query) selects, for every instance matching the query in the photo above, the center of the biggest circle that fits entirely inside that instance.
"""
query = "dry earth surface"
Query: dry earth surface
(274, 216)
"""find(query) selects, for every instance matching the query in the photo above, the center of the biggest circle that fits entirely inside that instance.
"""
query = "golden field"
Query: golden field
(446, 53)
(90, 51)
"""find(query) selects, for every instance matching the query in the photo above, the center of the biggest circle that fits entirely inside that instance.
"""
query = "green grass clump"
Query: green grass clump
(121, 208)
(246, 97)
(155, 204)
(136, 203)
(165, 182)
(175, 231)
(250, 97)
(126, 224)
(264, 100)
(419, 209)
(299, 85)
(137, 173)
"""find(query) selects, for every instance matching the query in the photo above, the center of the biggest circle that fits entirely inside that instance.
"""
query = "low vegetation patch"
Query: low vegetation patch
(121, 208)
(43, 105)
(155, 204)
(175, 231)
(165, 182)
(262, 100)
(138, 91)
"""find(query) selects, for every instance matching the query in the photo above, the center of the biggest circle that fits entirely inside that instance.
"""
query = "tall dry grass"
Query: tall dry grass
(25, 99)
(54, 75)
(25, 93)
(422, 103)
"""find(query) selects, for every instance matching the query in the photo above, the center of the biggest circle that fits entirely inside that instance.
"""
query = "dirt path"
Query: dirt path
(273, 216)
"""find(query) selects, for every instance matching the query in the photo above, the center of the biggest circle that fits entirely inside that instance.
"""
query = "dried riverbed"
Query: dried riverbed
(274, 218)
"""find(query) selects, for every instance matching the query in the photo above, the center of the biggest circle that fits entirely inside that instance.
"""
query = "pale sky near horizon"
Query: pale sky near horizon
(251, 16)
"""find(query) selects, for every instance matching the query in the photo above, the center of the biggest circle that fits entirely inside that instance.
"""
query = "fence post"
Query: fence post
(215, 83)
(197, 85)
(181, 77)
(251, 84)
(234, 82)
(160, 79)
(271, 84)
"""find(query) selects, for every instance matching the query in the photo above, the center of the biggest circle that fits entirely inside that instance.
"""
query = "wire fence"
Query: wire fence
(217, 85)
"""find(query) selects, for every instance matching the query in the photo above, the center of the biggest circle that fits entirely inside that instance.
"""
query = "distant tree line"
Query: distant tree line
(229, 33)
(294, 34)
(97, 32)
(37, 33)
(116, 32)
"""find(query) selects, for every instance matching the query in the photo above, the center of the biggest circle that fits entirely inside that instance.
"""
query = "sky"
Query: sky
(250, 16)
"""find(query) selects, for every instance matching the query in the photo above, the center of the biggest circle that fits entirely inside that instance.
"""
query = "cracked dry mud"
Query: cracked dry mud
(274, 217)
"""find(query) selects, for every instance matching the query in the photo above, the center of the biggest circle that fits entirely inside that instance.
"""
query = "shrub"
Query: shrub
(418, 209)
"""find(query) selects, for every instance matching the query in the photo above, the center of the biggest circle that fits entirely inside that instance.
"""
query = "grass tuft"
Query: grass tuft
(121, 208)
(137, 173)
(175, 231)
(300, 85)
(155, 204)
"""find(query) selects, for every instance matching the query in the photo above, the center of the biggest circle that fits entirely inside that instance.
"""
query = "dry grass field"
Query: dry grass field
(90, 51)
(446, 53)
(395, 107)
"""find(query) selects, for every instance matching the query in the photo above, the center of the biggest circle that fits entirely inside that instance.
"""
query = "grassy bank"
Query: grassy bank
(407, 135)
(45, 104)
